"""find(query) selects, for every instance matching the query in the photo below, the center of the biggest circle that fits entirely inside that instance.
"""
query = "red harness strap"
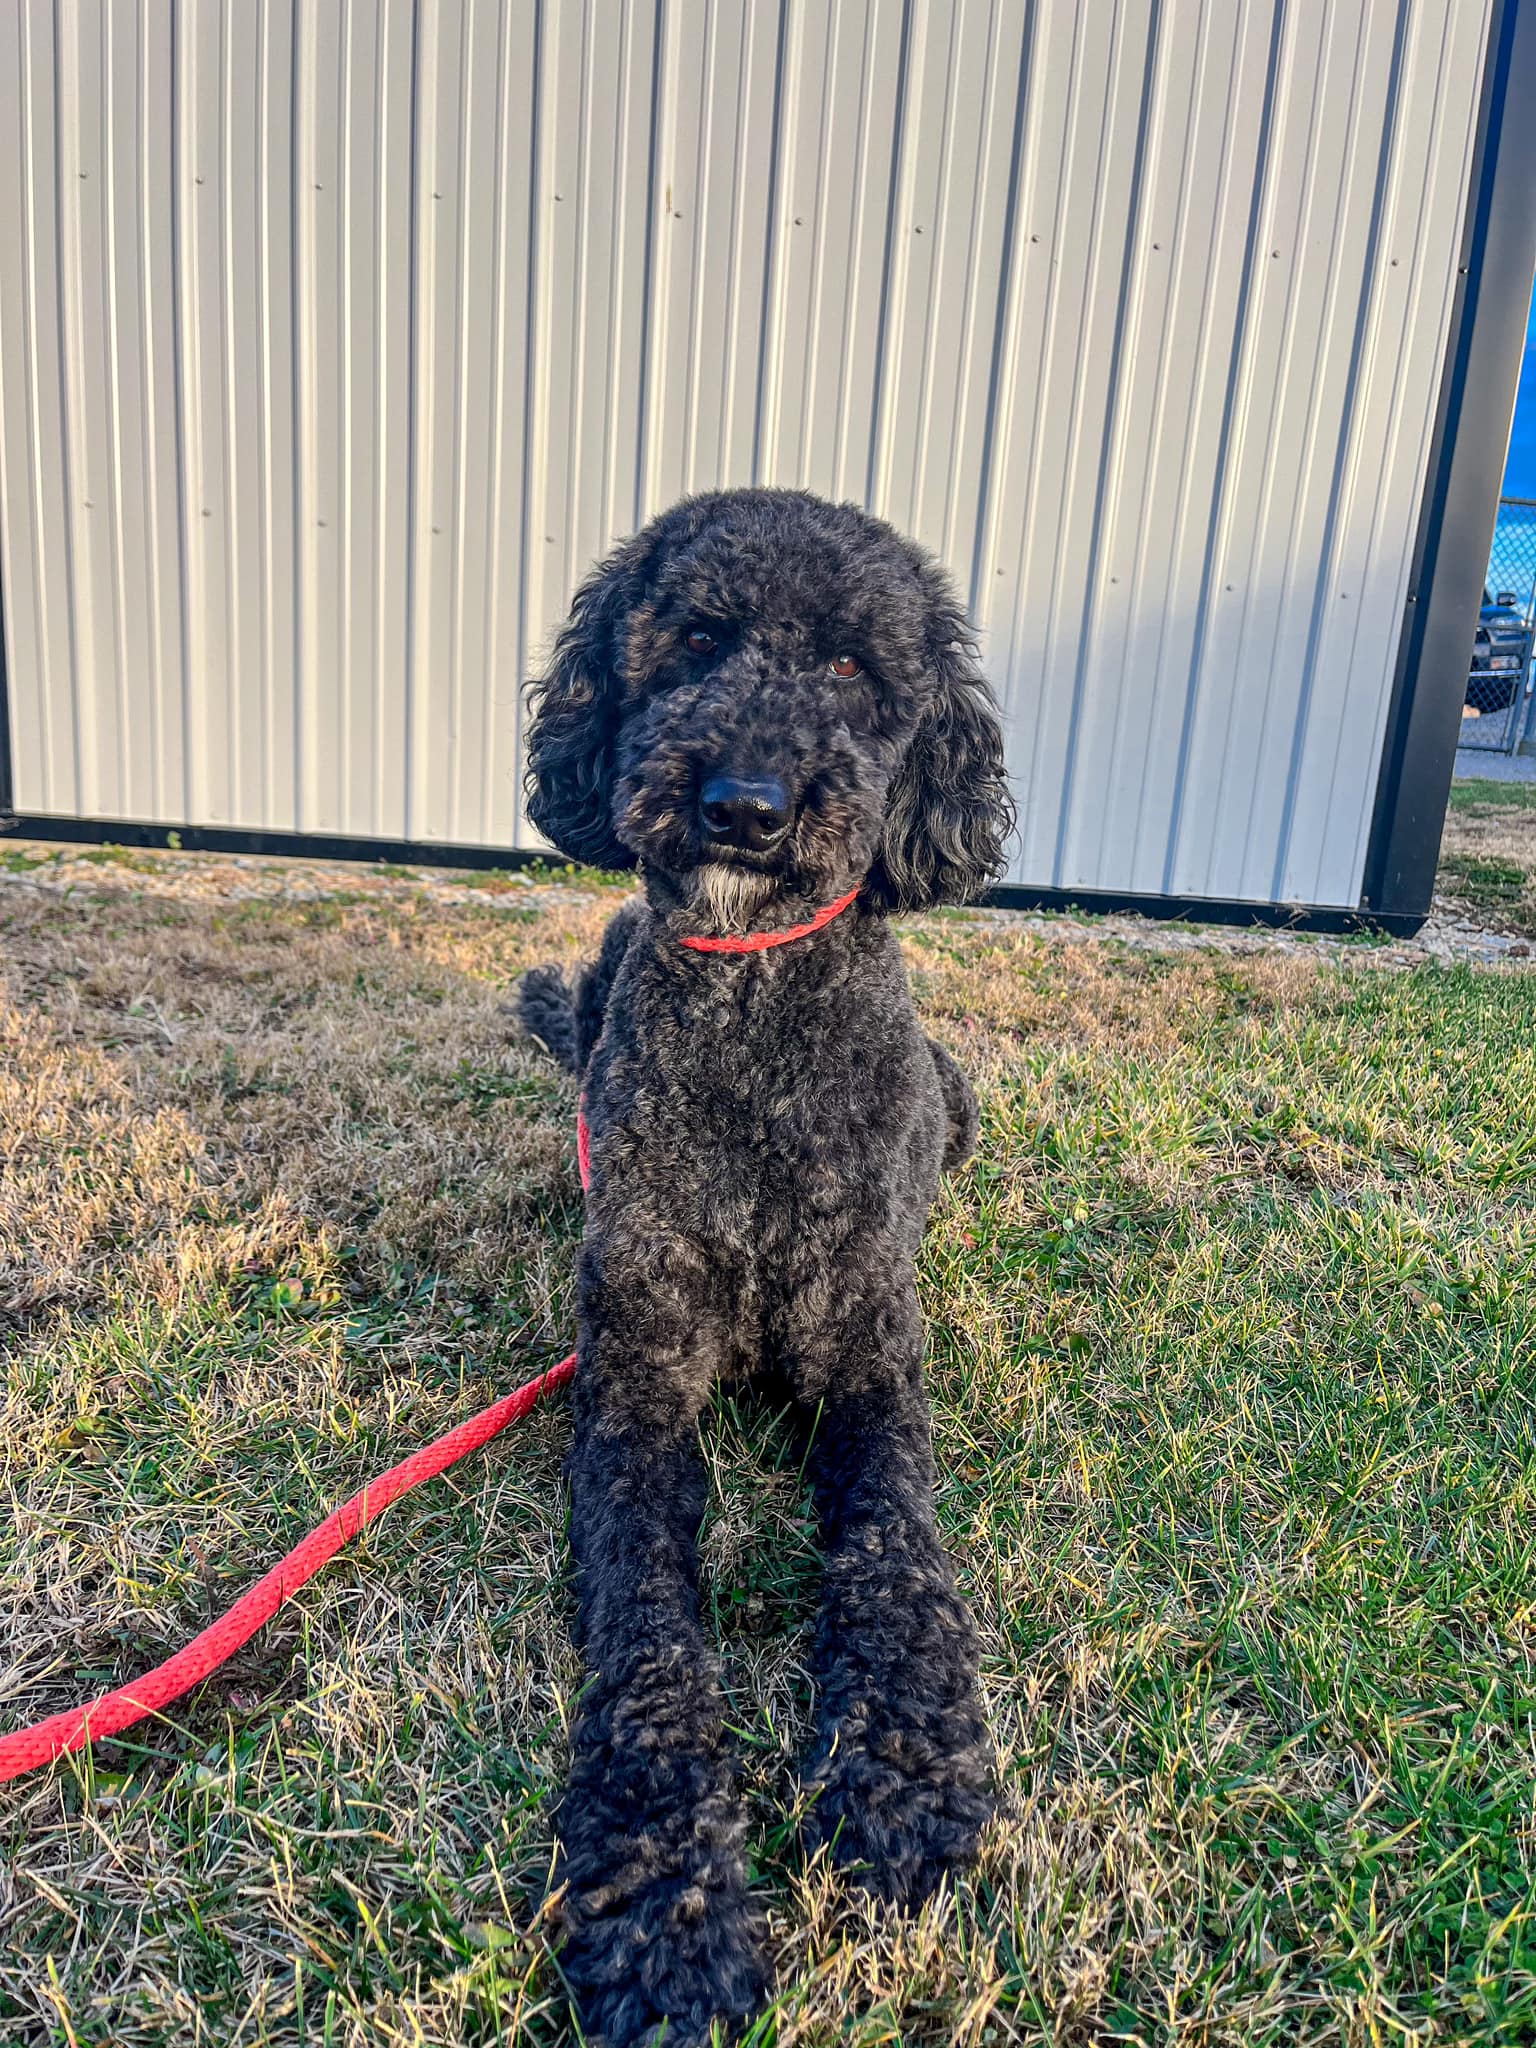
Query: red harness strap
(109, 1714)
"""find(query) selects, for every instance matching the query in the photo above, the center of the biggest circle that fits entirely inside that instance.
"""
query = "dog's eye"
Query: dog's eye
(846, 665)
(698, 641)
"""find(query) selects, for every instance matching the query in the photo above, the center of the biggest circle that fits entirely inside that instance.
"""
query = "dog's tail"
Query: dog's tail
(544, 1007)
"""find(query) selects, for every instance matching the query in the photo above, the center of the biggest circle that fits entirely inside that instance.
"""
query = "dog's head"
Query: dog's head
(765, 694)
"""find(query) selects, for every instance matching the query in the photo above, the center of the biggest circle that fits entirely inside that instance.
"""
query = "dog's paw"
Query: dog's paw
(659, 1924)
(900, 1798)
(663, 1958)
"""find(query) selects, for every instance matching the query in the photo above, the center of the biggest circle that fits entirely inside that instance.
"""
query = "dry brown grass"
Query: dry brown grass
(1232, 1364)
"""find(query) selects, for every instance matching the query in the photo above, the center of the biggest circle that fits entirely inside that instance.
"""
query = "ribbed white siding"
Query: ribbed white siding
(337, 337)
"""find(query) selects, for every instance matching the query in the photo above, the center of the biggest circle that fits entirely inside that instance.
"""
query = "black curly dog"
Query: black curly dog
(763, 701)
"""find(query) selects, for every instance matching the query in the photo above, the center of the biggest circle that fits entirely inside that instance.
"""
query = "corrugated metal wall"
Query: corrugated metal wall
(338, 336)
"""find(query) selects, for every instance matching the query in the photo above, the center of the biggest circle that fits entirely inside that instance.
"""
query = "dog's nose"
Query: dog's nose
(748, 812)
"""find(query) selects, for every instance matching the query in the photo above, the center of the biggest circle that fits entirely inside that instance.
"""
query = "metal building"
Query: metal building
(337, 337)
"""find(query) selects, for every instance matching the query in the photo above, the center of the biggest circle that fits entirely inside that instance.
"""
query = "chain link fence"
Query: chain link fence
(1497, 713)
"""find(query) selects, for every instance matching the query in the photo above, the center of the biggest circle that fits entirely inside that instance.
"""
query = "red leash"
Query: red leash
(109, 1714)
(46, 1741)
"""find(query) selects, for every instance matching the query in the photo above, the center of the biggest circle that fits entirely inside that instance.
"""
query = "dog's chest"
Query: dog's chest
(753, 1114)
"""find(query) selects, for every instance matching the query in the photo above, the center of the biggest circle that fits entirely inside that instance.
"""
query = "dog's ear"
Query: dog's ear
(949, 813)
(575, 712)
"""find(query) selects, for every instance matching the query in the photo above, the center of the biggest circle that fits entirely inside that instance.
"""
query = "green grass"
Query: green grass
(1476, 791)
(1233, 1355)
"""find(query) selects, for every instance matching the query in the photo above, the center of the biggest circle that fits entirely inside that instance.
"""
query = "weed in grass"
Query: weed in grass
(581, 877)
(1233, 1355)
(1486, 884)
(136, 860)
(498, 881)
(1488, 857)
(23, 860)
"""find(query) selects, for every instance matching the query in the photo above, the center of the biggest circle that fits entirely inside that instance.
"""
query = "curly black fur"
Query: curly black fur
(768, 1132)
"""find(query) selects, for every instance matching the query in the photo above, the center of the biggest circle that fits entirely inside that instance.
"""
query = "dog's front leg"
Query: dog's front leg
(902, 1763)
(659, 1922)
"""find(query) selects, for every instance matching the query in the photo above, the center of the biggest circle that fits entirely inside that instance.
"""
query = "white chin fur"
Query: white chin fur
(730, 894)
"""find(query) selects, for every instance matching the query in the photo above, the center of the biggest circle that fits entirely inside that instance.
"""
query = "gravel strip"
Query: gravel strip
(1449, 936)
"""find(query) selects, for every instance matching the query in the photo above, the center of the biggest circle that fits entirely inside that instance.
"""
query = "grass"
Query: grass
(1479, 792)
(1233, 1354)
(1488, 856)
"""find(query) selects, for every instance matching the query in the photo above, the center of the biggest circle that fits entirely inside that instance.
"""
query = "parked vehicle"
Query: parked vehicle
(1500, 654)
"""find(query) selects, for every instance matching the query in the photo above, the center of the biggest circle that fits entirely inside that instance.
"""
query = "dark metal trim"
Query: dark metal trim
(421, 853)
(426, 854)
(1466, 467)
(1290, 917)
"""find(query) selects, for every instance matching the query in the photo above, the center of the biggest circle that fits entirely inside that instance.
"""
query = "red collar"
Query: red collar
(759, 942)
